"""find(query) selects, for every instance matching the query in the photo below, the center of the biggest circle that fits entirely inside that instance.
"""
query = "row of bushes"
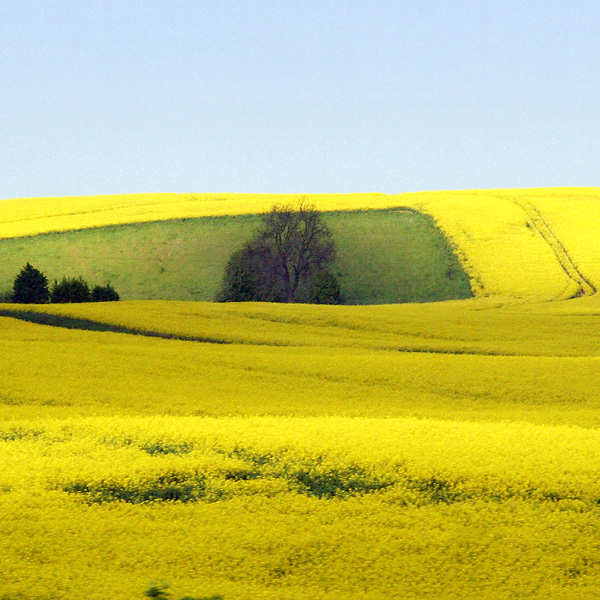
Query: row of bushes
(31, 287)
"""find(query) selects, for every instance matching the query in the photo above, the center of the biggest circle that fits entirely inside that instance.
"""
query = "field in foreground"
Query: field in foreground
(291, 452)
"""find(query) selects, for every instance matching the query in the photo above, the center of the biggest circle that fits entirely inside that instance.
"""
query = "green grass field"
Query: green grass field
(385, 256)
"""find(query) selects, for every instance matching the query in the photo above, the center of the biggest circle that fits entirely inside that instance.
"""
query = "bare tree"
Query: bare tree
(292, 247)
(299, 242)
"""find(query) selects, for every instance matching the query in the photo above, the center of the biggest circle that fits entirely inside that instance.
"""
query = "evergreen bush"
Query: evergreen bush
(30, 286)
(70, 289)
(104, 293)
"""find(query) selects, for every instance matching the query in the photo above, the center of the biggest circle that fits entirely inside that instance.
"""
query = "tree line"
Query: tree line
(31, 286)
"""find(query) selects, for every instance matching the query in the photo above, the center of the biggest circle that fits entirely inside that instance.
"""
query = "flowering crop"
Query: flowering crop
(576, 228)
(446, 449)
(32, 216)
(507, 249)
(482, 326)
(298, 508)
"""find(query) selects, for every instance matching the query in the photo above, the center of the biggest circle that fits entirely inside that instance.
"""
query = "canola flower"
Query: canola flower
(575, 228)
(464, 360)
(298, 508)
(32, 216)
(354, 469)
(495, 326)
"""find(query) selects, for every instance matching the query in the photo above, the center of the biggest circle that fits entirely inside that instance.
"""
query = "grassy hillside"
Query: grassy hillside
(383, 257)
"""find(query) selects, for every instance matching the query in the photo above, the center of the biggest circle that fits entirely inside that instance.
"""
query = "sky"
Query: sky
(281, 96)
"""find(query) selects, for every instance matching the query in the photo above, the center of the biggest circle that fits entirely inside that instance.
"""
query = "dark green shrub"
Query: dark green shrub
(104, 293)
(325, 289)
(248, 277)
(241, 280)
(30, 286)
(73, 289)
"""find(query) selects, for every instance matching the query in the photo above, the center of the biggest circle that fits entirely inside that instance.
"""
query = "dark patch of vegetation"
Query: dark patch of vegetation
(325, 289)
(284, 260)
(70, 289)
(12, 435)
(242, 474)
(43, 318)
(437, 490)
(160, 449)
(258, 460)
(30, 286)
(160, 591)
(65, 322)
(246, 278)
(351, 481)
(105, 293)
(170, 487)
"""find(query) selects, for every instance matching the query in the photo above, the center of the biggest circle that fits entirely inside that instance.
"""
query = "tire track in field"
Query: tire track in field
(584, 286)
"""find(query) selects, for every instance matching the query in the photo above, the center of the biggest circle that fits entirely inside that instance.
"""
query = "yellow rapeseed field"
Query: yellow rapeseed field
(284, 452)
(268, 507)
(441, 450)
(31, 216)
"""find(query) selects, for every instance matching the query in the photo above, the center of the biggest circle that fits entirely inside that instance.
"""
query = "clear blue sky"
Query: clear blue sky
(110, 96)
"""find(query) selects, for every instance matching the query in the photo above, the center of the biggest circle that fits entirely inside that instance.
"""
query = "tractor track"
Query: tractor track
(584, 286)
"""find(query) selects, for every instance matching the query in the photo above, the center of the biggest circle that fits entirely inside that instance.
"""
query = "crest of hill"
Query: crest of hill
(532, 244)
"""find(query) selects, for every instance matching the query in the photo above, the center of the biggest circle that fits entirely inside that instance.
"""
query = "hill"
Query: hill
(533, 244)
(384, 256)
(292, 451)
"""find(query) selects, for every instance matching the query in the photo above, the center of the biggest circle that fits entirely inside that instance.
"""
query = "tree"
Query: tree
(30, 286)
(73, 289)
(104, 293)
(290, 251)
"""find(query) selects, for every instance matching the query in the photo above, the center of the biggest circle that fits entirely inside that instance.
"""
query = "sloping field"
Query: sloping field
(509, 250)
(31, 216)
(506, 249)
(383, 256)
(434, 450)
(575, 228)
